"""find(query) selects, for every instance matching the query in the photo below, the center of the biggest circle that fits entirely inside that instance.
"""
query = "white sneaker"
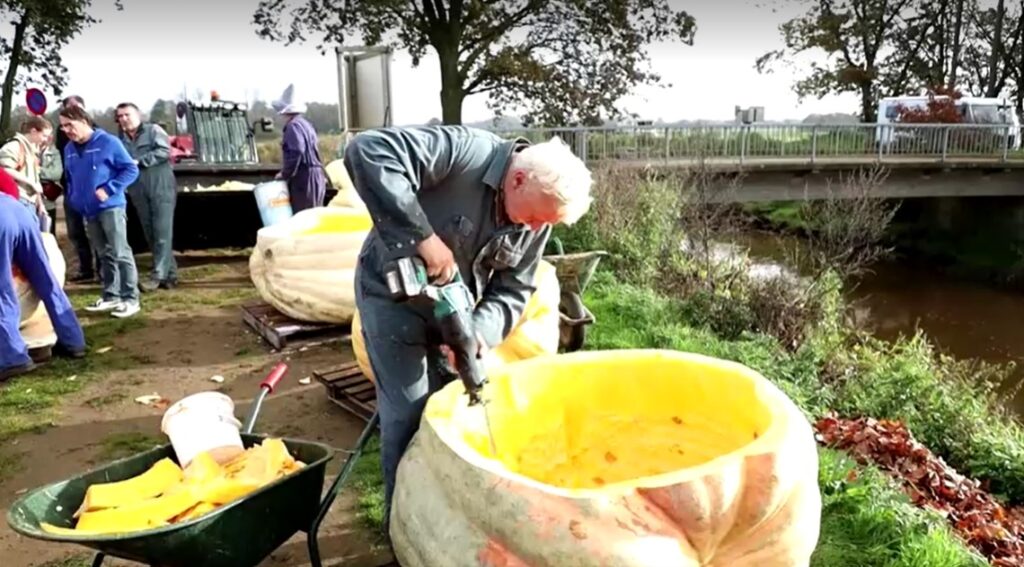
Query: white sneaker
(126, 309)
(102, 305)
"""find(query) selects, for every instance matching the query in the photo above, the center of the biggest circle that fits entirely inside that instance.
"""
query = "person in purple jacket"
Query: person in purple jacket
(301, 169)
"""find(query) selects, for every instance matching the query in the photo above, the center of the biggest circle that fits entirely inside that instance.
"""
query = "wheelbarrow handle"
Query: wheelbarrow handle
(266, 386)
(270, 382)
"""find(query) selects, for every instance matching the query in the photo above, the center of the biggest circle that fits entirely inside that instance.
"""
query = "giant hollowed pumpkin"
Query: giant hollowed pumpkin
(627, 458)
(31, 306)
(305, 266)
(536, 332)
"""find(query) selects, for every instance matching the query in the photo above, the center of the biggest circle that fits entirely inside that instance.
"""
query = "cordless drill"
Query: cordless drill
(453, 309)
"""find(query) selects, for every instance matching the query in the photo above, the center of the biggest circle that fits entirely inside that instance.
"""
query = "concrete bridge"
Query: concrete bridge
(798, 162)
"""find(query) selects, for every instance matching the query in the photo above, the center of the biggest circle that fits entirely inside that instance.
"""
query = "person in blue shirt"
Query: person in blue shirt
(21, 246)
(99, 170)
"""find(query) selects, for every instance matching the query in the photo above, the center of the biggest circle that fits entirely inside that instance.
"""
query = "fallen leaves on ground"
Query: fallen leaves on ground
(995, 531)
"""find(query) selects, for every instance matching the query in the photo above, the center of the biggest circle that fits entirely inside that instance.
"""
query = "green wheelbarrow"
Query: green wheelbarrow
(574, 272)
(241, 533)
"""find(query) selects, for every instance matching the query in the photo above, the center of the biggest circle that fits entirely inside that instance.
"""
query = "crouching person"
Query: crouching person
(99, 170)
(21, 246)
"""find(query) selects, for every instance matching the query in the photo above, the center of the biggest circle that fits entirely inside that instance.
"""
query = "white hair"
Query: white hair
(554, 170)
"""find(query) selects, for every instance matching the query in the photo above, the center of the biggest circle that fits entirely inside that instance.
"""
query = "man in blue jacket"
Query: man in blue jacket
(99, 171)
(465, 201)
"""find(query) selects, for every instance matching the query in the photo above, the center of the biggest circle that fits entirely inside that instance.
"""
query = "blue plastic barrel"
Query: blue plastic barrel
(273, 202)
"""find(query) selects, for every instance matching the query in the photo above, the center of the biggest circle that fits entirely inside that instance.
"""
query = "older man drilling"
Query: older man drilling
(466, 201)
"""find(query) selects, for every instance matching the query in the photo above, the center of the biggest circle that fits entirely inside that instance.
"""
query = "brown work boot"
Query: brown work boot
(41, 354)
(12, 371)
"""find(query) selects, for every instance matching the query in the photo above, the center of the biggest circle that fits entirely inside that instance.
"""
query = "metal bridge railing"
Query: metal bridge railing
(798, 143)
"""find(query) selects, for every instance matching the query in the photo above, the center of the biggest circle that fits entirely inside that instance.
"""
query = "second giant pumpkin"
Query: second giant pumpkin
(633, 458)
(305, 266)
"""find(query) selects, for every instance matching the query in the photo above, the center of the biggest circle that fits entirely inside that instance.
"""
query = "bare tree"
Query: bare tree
(708, 215)
(845, 230)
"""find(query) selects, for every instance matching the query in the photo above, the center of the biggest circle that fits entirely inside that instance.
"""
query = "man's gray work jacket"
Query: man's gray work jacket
(447, 179)
(152, 149)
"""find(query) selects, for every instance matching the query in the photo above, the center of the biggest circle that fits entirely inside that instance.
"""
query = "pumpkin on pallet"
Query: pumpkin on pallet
(630, 458)
(32, 309)
(536, 333)
(305, 267)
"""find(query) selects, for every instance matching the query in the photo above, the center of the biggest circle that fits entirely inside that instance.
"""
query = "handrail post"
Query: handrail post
(1006, 142)
(882, 131)
(668, 144)
(743, 143)
(814, 143)
(945, 142)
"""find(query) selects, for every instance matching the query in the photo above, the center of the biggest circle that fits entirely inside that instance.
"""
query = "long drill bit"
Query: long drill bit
(490, 431)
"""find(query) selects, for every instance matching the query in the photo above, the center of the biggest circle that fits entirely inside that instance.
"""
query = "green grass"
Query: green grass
(867, 522)
(106, 400)
(26, 402)
(120, 445)
(368, 481)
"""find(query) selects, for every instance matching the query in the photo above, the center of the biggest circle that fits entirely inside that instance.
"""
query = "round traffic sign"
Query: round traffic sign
(35, 100)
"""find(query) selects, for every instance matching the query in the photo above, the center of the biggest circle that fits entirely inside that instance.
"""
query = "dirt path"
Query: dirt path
(185, 337)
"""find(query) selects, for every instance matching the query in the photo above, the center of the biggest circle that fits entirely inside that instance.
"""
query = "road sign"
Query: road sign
(35, 100)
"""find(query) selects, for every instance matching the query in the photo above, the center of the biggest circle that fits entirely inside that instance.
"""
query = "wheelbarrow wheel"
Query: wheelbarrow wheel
(573, 336)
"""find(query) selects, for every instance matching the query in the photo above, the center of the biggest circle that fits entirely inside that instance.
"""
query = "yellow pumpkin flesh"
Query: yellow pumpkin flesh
(630, 458)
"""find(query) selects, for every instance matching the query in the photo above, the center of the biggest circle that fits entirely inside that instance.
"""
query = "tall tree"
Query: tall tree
(855, 36)
(31, 54)
(939, 58)
(562, 61)
(991, 50)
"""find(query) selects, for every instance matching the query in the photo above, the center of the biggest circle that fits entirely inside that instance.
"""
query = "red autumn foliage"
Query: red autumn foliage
(936, 111)
(995, 531)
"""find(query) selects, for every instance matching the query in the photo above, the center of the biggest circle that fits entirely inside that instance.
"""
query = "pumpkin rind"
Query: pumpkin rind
(755, 505)
(305, 267)
(29, 303)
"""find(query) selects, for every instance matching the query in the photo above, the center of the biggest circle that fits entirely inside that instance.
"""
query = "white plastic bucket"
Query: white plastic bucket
(203, 422)
(273, 202)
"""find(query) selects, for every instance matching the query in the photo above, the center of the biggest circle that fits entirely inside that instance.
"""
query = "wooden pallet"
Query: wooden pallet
(277, 328)
(348, 387)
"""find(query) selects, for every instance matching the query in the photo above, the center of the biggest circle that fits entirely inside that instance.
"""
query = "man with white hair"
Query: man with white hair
(463, 200)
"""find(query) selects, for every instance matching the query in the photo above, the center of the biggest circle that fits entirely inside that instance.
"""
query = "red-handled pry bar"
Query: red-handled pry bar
(266, 387)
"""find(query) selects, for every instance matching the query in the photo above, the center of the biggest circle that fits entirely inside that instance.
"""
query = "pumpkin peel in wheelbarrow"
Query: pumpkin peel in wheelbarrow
(140, 515)
(165, 494)
(149, 484)
(634, 458)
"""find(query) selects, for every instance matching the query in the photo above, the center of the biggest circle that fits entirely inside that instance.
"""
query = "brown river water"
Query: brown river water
(963, 319)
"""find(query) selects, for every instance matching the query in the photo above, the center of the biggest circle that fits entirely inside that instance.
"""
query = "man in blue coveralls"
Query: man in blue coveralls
(463, 200)
(21, 245)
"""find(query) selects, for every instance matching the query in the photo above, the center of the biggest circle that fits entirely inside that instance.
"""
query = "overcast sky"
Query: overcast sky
(153, 49)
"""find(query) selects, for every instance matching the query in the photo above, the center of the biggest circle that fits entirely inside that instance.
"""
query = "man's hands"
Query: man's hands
(481, 350)
(101, 194)
(439, 259)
